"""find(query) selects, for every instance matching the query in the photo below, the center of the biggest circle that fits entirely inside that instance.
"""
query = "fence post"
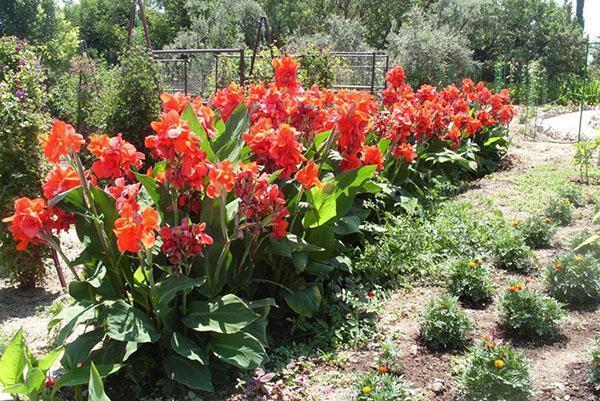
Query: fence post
(185, 74)
(216, 72)
(242, 62)
(387, 67)
(584, 89)
(373, 61)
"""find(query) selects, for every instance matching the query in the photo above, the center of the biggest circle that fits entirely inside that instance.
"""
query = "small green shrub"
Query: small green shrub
(444, 325)
(469, 281)
(572, 193)
(583, 243)
(528, 313)
(537, 231)
(494, 372)
(382, 387)
(137, 103)
(560, 210)
(596, 365)
(510, 251)
(574, 279)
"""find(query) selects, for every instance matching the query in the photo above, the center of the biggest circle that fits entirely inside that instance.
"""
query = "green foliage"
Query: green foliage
(494, 372)
(137, 101)
(413, 248)
(596, 365)
(574, 279)
(22, 375)
(537, 231)
(573, 193)
(341, 34)
(443, 324)
(382, 387)
(23, 101)
(584, 157)
(430, 51)
(469, 281)
(560, 210)
(528, 313)
(510, 251)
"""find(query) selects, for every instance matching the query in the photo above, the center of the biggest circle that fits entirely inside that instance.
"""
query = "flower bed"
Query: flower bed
(245, 206)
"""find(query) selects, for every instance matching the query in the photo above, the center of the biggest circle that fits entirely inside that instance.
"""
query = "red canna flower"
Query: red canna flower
(286, 151)
(177, 102)
(221, 177)
(371, 155)
(60, 179)
(61, 139)
(308, 176)
(28, 221)
(115, 156)
(405, 151)
(395, 77)
(134, 230)
(228, 99)
(184, 241)
(286, 72)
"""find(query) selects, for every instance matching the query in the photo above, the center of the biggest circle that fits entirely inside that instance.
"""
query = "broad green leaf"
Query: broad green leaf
(228, 314)
(48, 360)
(71, 317)
(188, 348)
(347, 225)
(13, 361)
(190, 116)
(95, 387)
(189, 373)
(300, 260)
(240, 349)
(35, 380)
(258, 328)
(229, 144)
(151, 186)
(305, 302)
(79, 350)
(80, 376)
(127, 323)
(167, 289)
(113, 352)
(321, 137)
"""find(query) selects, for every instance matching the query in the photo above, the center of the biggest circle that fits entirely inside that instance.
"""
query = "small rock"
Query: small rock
(438, 386)
(414, 350)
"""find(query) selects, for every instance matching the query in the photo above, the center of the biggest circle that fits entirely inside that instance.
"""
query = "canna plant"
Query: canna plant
(242, 209)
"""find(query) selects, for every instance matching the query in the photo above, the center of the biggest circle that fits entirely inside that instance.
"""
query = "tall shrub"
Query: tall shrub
(22, 100)
(137, 101)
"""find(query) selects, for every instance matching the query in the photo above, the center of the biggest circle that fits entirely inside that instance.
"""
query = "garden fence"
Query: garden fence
(202, 71)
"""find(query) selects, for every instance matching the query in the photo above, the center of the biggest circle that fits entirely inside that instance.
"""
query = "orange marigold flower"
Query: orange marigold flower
(135, 230)
(548, 220)
(308, 176)
(29, 218)
(221, 178)
(60, 179)
(61, 139)
(371, 155)
(558, 265)
(383, 369)
(516, 288)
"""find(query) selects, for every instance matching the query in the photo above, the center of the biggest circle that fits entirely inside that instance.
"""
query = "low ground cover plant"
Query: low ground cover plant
(574, 279)
(248, 205)
(537, 231)
(469, 281)
(560, 209)
(494, 372)
(444, 325)
(595, 378)
(528, 313)
(510, 251)
(376, 386)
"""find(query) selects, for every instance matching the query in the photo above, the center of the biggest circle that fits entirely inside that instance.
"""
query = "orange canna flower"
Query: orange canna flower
(61, 139)
(286, 71)
(221, 179)
(308, 175)
(28, 221)
(371, 155)
(135, 230)
(60, 179)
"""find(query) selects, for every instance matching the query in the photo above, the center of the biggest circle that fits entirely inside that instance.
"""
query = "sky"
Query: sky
(591, 14)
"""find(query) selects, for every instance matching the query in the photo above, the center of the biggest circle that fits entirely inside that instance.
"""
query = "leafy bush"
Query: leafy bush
(444, 325)
(537, 231)
(528, 313)
(596, 365)
(137, 101)
(586, 242)
(23, 101)
(560, 210)
(469, 281)
(416, 248)
(573, 193)
(510, 251)
(494, 372)
(382, 387)
(574, 279)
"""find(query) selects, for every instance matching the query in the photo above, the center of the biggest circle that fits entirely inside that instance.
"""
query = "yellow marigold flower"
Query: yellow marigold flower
(472, 265)
(367, 389)
(383, 369)
(516, 223)
(558, 266)
(499, 363)
(567, 202)
(578, 259)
